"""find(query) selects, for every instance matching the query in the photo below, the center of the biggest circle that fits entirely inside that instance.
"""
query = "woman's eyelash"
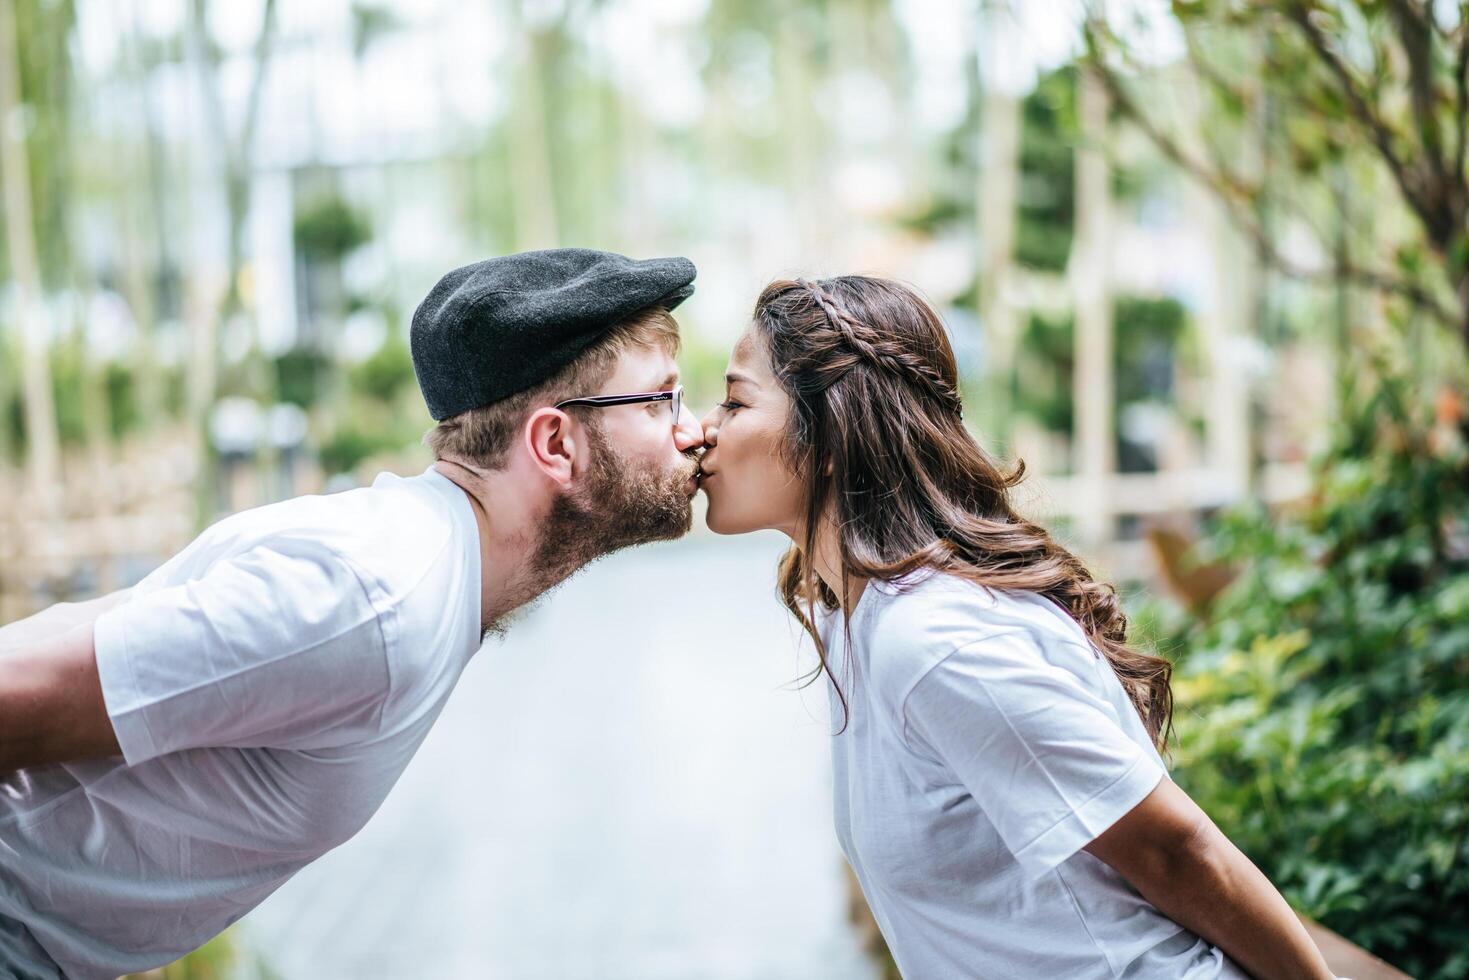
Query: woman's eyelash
(730, 405)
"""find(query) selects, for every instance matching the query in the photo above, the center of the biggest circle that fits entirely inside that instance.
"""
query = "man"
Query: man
(171, 755)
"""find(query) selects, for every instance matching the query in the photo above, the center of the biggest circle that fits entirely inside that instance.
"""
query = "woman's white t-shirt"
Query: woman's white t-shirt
(987, 742)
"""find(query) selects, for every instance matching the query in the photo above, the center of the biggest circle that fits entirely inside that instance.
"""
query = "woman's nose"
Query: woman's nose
(711, 427)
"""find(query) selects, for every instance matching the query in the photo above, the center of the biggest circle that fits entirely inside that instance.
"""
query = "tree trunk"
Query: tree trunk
(531, 180)
(236, 155)
(136, 283)
(43, 456)
(1463, 291)
(802, 133)
(236, 160)
(997, 196)
(1094, 387)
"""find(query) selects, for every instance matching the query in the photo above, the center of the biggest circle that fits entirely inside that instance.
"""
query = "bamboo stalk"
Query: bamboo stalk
(43, 450)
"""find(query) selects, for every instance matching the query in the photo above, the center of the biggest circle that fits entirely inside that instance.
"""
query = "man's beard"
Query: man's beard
(619, 505)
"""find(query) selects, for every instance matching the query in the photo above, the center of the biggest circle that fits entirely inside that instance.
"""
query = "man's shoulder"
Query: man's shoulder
(399, 549)
(392, 533)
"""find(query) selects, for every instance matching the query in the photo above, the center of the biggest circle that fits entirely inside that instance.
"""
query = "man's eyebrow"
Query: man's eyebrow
(668, 382)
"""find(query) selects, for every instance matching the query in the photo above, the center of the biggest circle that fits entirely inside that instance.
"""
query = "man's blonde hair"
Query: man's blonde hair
(483, 436)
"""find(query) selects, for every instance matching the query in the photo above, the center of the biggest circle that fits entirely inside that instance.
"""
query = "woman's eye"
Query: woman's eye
(730, 405)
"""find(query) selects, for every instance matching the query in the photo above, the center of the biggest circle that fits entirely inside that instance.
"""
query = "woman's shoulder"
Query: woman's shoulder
(912, 624)
(935, 604)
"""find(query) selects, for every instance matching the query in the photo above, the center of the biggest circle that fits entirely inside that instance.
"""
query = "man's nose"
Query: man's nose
(688, 433)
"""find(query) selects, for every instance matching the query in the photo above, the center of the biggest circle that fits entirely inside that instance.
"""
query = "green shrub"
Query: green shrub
(68, 376)
(1323, 706)
(329, 229)
(349, 445)
(386, 374)
(120, 382)
(301, 375)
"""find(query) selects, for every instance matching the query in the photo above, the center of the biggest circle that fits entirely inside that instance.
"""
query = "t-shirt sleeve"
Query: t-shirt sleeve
(268, 648)
(1042, 755)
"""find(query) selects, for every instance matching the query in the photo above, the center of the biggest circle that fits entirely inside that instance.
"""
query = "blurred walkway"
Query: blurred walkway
(620, 789)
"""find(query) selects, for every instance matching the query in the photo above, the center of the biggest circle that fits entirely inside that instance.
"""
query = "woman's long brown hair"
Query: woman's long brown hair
(876, 431)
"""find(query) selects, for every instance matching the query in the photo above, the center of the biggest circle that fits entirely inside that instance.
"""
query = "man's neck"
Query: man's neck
(507, 518)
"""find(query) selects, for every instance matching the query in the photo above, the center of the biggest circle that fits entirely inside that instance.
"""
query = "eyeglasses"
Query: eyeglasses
(674, 399)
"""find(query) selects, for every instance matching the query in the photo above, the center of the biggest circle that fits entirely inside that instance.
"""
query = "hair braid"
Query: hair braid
(884, 353)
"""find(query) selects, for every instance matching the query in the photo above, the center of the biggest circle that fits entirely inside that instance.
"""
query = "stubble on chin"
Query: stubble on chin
(618, 506)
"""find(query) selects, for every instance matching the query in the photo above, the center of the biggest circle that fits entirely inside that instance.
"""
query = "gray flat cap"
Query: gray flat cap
(494, 328)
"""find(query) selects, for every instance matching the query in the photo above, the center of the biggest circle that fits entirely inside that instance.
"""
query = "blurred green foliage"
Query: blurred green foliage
(350, 445)
(1323, 705)
(71, 380)
(222, 958)
(1150, 335)
(67, 384)
(382, 411)
(300, 374)
(387, 374)
(1049, 138)
(702, 365)
(1046, 210)
(1046, 207)
(50, 102)
(120, 383)
(330, 229)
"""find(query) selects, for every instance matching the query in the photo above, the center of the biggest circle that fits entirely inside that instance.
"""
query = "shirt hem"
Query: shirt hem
(1087, 822)
(115, 671)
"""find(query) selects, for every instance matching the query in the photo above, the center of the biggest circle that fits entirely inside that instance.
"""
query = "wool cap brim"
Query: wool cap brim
(491, 329)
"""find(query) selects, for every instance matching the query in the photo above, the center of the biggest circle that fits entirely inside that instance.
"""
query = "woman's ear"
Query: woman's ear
(551, 443)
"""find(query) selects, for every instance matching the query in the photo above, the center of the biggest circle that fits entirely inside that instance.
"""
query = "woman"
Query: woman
(998, 786)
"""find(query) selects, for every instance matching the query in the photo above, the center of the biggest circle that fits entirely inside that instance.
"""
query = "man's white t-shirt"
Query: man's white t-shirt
(987, 742)
(267, 685)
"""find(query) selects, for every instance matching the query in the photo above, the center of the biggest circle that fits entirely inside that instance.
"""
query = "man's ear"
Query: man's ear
(551, 443)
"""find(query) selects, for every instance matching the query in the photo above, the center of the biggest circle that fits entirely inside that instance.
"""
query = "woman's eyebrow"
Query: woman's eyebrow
(734, 379)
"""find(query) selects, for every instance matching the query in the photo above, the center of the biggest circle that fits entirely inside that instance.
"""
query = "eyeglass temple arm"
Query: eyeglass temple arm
(654, 396)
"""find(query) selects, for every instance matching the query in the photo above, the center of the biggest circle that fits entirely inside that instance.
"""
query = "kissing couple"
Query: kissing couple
(171, 754)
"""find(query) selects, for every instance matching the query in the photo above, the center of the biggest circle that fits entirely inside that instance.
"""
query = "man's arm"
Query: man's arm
(1171, 852)
(55, 620)
(51, 705)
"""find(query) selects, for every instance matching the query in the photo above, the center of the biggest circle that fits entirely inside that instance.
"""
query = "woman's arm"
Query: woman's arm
(1171, 852)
